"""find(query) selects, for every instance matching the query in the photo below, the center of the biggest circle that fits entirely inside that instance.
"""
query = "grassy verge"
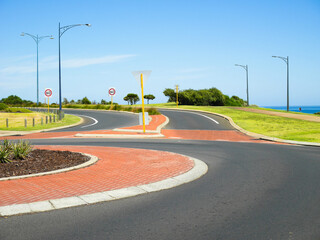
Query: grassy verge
(273, 126)
(17, 121)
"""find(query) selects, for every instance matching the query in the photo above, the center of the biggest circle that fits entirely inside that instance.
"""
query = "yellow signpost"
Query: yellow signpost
(143, 120)
(177, 93)
(48, 94)
(112, 92)
(141, 76)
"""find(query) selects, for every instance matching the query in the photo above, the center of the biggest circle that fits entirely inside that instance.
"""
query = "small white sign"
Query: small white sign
(48, 92)
(146, 118)
(112, 91)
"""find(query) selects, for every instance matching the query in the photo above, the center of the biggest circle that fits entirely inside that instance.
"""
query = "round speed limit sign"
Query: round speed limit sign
(48, 92)
(112, 91)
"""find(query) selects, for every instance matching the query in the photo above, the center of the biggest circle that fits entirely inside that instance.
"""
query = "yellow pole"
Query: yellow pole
(177, 91)
(144, 124)
(111, 102)
(48, 105)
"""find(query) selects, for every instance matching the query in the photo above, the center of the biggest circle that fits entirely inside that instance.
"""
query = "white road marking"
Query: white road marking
(202, 116)
(95, 121)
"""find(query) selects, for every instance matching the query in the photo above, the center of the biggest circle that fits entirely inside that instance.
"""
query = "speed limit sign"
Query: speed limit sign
(112, 91)
(48, 92)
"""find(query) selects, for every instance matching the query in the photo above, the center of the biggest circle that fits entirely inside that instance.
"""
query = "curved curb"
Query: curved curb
(163, 124)
(93, 159)
(251, 134)
(199, 169)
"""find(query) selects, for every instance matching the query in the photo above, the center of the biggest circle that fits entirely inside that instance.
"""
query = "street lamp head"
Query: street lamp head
(88, 25)
(22, 34)
(274, 56)
(51, 37)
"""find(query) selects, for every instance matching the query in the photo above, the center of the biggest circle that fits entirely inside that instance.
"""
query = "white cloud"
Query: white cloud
(75, 63)
(51, 62)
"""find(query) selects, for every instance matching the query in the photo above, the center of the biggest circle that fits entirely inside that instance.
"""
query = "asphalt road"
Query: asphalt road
(251, 191)
(101, 120)
(192, 120)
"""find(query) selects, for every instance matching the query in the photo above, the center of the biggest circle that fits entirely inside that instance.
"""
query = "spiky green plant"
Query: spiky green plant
(4, 154)
(7, 145)
(21, 150)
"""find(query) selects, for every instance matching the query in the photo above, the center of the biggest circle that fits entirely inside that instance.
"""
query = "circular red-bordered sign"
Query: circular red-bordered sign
(48, 92)
(112, 91)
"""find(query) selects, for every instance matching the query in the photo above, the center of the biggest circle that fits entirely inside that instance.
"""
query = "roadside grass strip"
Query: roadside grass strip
(16, 121)
(272, 126)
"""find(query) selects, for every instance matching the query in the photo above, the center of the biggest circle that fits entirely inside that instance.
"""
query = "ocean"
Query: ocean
(304, 109)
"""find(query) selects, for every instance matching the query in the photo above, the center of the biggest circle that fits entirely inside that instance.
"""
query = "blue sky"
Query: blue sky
(194, 44)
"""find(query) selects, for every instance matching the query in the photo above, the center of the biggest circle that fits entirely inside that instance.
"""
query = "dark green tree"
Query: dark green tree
(169, 92)
(85, 100)
(131, 98)
(104, 102)
(65, 101)
(149, 97)
(12, 100)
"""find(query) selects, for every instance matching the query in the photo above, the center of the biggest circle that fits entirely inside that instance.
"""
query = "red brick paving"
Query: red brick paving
(209, 135)
(117, 168)
(156, 121)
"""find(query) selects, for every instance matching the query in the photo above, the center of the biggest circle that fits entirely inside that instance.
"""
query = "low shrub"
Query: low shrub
(317, 113)
(18, 110)
(153, 111)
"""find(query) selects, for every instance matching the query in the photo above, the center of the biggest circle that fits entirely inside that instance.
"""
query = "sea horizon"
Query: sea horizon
(304, 109)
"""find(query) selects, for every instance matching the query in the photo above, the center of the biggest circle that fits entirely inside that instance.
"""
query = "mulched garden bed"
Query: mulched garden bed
(41, 161)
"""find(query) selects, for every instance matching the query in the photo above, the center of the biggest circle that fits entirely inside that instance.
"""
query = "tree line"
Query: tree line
(203, 97)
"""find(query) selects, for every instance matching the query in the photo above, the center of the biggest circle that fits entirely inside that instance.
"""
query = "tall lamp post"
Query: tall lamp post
(245, 67)
(286, 60)
(37, 39)
(62, 30)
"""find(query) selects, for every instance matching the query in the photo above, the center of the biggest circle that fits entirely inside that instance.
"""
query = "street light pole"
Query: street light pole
(286, 60)
(37, 39)
(62, 30)
(245, 67)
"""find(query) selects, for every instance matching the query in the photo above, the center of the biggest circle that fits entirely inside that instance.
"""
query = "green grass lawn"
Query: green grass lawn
(272, 126)
(17, 121)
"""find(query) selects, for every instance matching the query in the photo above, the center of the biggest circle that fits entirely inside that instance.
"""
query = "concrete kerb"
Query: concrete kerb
(251, 134)
(199, 169)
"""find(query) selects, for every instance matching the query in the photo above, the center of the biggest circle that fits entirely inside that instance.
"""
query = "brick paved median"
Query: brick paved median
(117, 168)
